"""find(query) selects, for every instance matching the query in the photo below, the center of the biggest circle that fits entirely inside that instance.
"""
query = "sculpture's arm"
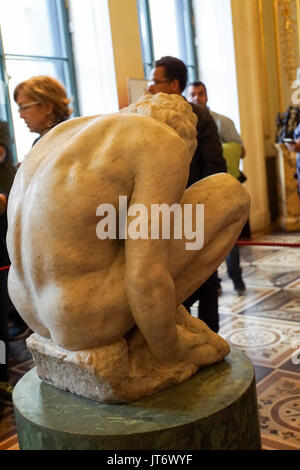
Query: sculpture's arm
(149, 284)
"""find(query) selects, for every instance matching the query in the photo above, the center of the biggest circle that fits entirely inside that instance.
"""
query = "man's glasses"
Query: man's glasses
(28, 105)
(157, 82)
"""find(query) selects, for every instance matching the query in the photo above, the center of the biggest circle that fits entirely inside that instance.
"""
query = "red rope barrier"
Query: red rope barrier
(4, 268)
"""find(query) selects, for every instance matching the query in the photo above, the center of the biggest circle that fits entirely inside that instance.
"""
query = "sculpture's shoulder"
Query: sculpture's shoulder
(90, 143)
(98, 131)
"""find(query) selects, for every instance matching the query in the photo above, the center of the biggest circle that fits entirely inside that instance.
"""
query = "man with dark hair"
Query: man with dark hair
(197, 94)
(174, 69)
(169, 75)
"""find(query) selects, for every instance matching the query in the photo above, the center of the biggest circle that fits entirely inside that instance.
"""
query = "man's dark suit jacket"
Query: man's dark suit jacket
(208, 158)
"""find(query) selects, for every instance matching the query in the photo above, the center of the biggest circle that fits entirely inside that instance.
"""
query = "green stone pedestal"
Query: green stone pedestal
(215, 409)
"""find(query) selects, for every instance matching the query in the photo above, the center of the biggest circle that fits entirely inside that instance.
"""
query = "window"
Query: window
(34, 41)
(166, 28)
(93, 55)
(216, 55)
(167, 36)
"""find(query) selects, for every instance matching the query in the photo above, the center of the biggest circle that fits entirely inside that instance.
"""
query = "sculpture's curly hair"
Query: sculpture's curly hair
(172, 110)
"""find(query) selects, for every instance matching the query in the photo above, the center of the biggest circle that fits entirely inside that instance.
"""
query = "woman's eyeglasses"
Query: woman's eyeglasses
(28, 105)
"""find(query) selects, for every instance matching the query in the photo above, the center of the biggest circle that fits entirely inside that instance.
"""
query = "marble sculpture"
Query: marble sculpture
(107, 314)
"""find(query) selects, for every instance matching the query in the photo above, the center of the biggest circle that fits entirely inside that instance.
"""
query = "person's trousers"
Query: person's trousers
(4, 343)
(207, 294)
(233, 264)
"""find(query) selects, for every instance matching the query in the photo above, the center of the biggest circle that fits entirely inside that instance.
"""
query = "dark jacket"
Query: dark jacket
(208, 158)
(7, 169)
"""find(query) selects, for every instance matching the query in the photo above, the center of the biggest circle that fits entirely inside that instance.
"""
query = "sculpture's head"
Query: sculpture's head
(172, 110)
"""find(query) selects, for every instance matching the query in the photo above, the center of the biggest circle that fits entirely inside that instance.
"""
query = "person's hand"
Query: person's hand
(290, 147)
(293, 147)
(3, 203)
(3, 153)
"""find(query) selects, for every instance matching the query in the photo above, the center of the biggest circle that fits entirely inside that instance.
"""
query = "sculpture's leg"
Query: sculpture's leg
(226, 208)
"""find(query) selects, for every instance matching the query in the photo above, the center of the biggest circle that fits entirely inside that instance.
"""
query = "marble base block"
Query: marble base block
(72, 371)
(120, 372)
(216, 409)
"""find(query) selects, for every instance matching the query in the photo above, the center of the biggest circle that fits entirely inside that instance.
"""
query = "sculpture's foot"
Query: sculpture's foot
(124, 371)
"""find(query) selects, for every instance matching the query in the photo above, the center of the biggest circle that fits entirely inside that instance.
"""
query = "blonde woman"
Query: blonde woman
(43, 103)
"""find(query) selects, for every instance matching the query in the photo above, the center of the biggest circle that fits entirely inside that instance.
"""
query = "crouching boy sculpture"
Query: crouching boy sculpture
(107, 312)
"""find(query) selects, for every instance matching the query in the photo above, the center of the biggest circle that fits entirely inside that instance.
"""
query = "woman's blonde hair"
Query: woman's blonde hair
(45, 89)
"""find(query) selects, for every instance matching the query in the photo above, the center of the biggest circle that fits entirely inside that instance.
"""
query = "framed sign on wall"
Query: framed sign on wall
(136, 87)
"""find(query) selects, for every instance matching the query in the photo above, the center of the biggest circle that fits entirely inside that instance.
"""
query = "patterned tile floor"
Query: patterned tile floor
(20, 361)
(264, 323)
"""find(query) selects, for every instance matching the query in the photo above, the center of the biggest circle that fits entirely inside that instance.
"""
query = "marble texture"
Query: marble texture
(288, 257)
(268, 332)
(268, 276)
(295, 285)
(267, 344)
(279, 404)
(232, 303)
(215, 409)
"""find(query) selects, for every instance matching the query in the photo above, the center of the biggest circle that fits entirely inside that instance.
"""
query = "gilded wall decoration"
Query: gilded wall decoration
(287, 38)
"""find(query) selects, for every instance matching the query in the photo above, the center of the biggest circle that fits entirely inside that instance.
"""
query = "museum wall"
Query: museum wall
(126, 44)
(279, 31)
